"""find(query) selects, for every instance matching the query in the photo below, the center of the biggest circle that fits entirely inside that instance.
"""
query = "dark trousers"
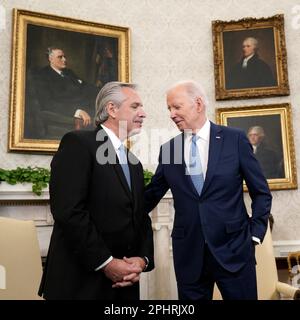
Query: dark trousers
(131, 293)
(100, 291)
(240, 285)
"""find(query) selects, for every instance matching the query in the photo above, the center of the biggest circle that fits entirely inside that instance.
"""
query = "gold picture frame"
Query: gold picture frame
(275, 152)
(97, 53)
(264, 74)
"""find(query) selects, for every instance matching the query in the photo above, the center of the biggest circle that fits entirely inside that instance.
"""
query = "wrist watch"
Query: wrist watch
(146, 262)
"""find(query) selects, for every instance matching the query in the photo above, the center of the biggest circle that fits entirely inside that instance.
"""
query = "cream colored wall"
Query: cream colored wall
(171, 41)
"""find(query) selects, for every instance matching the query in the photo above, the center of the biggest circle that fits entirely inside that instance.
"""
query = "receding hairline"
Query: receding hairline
(182, 84)
(192, 88)
(50, 50)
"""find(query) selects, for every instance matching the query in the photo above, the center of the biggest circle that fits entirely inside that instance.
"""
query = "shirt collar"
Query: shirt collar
(248, 58)
(56, 70)
(116, 142)
(204, 132)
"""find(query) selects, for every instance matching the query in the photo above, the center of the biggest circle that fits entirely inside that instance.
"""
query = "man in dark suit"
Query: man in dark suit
(102, 235)
(60, 91)
(251, 71)
(213, 236)
(270, 161)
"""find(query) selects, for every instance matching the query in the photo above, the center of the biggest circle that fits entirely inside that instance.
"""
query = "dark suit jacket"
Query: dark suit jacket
(64, 95)
(257, 74)
(271, 163)
(218, 216)
(96, 216)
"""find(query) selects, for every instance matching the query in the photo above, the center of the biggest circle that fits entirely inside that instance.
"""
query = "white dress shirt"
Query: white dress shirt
(116, 142)
(254, 147)
(245, 61)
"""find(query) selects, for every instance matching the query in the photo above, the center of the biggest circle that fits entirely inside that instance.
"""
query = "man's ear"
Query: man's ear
(199, 104)
(111, 110)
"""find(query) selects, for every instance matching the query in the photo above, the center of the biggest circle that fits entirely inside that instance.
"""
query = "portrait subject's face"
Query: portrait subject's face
(131, 111)
(248, 48)
(254, 137)
(58, 59)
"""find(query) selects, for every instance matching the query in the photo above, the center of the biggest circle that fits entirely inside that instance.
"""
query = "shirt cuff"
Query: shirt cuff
(104, 263)
(77, 113)
(146, 263)
(256, 240)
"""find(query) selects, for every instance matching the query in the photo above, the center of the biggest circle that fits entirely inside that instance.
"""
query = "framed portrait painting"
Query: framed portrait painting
(58, 67)
(269, 130)
(250, 58)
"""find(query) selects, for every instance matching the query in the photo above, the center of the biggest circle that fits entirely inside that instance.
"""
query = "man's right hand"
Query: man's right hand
(117, 269)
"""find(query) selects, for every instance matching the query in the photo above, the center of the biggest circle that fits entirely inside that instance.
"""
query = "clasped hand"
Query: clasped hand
(124, 272)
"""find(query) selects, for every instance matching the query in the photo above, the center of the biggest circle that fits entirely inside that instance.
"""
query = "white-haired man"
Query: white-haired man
(269, 159)
(213, 236)
(251, 71)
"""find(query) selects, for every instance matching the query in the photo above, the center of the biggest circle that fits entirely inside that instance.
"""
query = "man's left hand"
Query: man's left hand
(130, 279)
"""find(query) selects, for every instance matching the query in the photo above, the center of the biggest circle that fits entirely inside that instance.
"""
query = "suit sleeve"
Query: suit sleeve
(257, 186)
(71, 169)
(55, 98)
(157, 188)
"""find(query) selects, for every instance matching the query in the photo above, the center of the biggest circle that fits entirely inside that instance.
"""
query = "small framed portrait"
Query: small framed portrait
(58, 67)
(269, 130)
(250, 58)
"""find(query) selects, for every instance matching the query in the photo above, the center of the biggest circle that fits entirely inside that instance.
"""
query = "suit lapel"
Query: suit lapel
(122, 178)
(215, 146)
(121, 175)
(134, 182)
(114, 160)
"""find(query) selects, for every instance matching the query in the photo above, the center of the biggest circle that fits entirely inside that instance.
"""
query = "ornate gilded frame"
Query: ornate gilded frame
(227, 36)
(22, 19)
(265, 114)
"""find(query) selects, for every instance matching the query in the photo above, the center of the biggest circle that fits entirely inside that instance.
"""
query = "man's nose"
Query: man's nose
(142, 114)
(173, 114)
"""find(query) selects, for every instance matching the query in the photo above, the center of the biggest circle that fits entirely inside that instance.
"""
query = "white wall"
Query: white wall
(171, 41)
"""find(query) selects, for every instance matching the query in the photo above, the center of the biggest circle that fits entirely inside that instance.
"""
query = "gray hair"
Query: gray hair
(110, 93)
(193, 88)
(253, 40)
(257, 129)
(50, 50)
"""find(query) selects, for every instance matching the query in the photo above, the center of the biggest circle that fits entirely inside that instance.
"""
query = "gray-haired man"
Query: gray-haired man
(102, 236)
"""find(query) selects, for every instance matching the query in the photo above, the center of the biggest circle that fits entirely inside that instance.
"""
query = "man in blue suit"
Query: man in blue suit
(213, 236)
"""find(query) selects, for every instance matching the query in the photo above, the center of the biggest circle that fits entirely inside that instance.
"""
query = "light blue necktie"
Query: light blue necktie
(195, 165)
(124, 164)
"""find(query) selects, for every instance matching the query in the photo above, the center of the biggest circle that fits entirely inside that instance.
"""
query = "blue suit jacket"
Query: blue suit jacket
(218, 216)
